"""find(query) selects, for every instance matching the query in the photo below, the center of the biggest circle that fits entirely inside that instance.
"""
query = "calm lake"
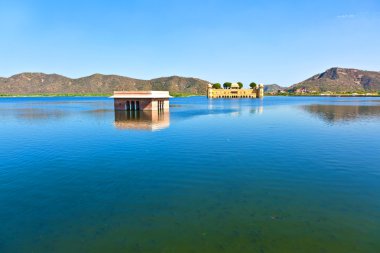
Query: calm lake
(282, 174)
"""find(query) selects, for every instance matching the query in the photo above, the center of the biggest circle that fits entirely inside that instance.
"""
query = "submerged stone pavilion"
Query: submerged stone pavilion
(141, 100)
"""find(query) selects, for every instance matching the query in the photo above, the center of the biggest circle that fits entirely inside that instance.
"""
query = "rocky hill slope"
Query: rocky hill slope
(40, 83)
(340, 80)
(268, 88)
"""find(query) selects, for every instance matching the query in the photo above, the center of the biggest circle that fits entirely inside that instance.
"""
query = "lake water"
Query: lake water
(283, 174)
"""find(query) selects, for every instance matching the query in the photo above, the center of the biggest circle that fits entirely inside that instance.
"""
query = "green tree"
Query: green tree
(253, 85)
(227, 85)
(216, 86)
(240, 85)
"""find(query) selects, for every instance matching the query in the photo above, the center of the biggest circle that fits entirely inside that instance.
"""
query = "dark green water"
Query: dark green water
(278, 175)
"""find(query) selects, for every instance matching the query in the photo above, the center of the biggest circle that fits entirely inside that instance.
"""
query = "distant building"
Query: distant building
(141, 100)
(235, 92)
(302, 90)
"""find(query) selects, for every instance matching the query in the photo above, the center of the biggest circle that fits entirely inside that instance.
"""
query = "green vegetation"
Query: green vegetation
(323, 94)
(216, 86)
(227, 85)
(58, 95)
(253, 85)
(182, 94)
(173, 94)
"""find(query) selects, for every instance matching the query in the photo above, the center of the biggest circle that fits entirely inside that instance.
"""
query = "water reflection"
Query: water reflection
(235, 107)
(142, 120)
(32, 114)
(257, 110)
(338, 113)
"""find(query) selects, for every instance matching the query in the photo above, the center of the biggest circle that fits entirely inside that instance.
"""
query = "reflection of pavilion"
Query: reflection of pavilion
(142, 120)
(257, 110)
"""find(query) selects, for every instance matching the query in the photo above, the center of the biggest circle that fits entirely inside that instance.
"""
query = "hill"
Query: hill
(340, 80)
(268, 88)
(40, 83)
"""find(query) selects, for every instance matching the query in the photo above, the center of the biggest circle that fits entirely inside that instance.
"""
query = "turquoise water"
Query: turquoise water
(274, 175)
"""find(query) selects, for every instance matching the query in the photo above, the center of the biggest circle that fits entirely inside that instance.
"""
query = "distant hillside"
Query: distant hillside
(40, 83)
(273, 88)
(340, 80)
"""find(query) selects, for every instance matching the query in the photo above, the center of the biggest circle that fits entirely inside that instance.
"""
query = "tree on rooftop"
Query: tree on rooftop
(253, 85)
(240, 85)
(227, 85)
(216, 86)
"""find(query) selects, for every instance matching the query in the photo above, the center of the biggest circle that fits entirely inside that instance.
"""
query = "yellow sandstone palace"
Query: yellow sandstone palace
(235, 92)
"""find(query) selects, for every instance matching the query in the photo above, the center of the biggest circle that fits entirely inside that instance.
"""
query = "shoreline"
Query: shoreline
(335, 95)
(176, 95)
(52, 95)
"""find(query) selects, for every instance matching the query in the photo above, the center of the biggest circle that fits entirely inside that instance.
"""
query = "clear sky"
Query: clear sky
(276, 41)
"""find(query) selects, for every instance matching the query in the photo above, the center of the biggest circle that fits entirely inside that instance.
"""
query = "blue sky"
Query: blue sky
(275, 41)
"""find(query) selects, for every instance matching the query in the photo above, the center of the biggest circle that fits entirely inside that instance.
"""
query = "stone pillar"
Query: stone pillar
(166, 104)
(154, 105)
(260, 91)
(209, 90)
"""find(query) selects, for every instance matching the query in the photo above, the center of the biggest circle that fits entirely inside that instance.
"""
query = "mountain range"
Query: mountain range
(334, 80)
(40, 83)
(340, 80)
(268, 88)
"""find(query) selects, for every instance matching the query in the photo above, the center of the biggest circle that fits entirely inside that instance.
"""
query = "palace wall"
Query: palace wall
(232, 93)
(236, 93)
